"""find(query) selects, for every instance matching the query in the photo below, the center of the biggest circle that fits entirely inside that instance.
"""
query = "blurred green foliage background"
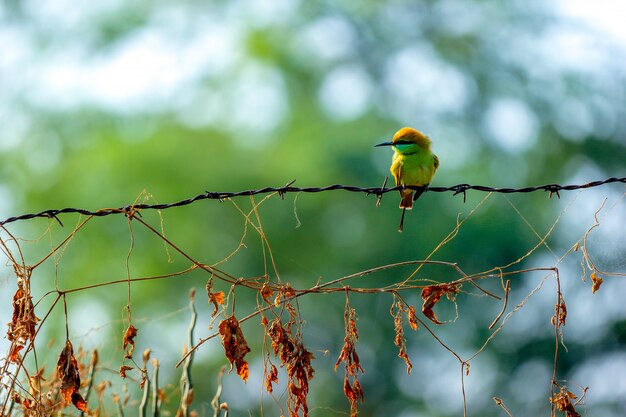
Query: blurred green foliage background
(103, 101)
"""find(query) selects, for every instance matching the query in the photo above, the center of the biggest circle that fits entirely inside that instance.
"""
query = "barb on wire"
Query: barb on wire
(288, 188)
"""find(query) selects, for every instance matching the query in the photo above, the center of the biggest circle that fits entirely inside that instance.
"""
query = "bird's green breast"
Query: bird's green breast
(415, 168)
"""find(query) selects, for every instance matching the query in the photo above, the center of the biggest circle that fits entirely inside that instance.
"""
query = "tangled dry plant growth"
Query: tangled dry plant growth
(26, 389)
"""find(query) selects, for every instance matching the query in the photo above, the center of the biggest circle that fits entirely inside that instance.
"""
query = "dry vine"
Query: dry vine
(25, 391)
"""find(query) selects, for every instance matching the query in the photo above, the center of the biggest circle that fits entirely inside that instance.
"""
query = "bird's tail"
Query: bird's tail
(401, 226)
(407, 199)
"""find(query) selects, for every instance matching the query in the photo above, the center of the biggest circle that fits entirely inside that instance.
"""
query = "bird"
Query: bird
(413, 163)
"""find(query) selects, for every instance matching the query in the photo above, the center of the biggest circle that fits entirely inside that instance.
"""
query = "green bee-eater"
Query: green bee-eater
(413, 163)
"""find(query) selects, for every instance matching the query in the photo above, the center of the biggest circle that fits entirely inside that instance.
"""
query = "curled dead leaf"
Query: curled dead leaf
(432, 294)
(14, 352)
(286, 292)
(396, 311)
(36, 380)
(23, 323)
(297, 361)
(267, 293)
(123, 370)
(348, 354)
(412, 318)
(67, 369)
(563, 402)
(271, 378)
(353, 393)
(350, 358)
(129, 341)
(560, 313)
(216, 298)
(235, 345)
(596, 281)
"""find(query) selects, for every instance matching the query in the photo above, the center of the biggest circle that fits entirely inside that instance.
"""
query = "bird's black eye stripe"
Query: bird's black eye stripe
(403, 142)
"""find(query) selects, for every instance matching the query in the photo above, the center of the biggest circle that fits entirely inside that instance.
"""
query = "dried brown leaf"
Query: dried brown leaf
(399, 340)
(14, 352)
(293, 313)
(597, 281)
(271, 378)
(562, 400)
(300, 372)
(560, 313)
(354, 394)
(267, 293)
(235, 345)
(348, 354)
(23, 323)
(412, 318)
(285, 292)
(35, 381)
(123, 370)
(297, 361)
(350, 358)
(129, 341)
(217, 299)
(79, 402)
(67, 369)
(432, 294)
(402, 353)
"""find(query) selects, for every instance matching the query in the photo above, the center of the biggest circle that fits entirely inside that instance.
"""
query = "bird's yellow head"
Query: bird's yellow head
(408, 140)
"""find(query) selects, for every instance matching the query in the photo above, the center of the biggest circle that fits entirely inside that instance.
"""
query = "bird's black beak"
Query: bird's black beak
(384, 144)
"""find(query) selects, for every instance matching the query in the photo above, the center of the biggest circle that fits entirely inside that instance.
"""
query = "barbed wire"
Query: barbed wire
(288, 188)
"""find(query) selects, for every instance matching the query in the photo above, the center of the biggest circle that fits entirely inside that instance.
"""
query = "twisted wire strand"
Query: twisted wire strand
(288, 188)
